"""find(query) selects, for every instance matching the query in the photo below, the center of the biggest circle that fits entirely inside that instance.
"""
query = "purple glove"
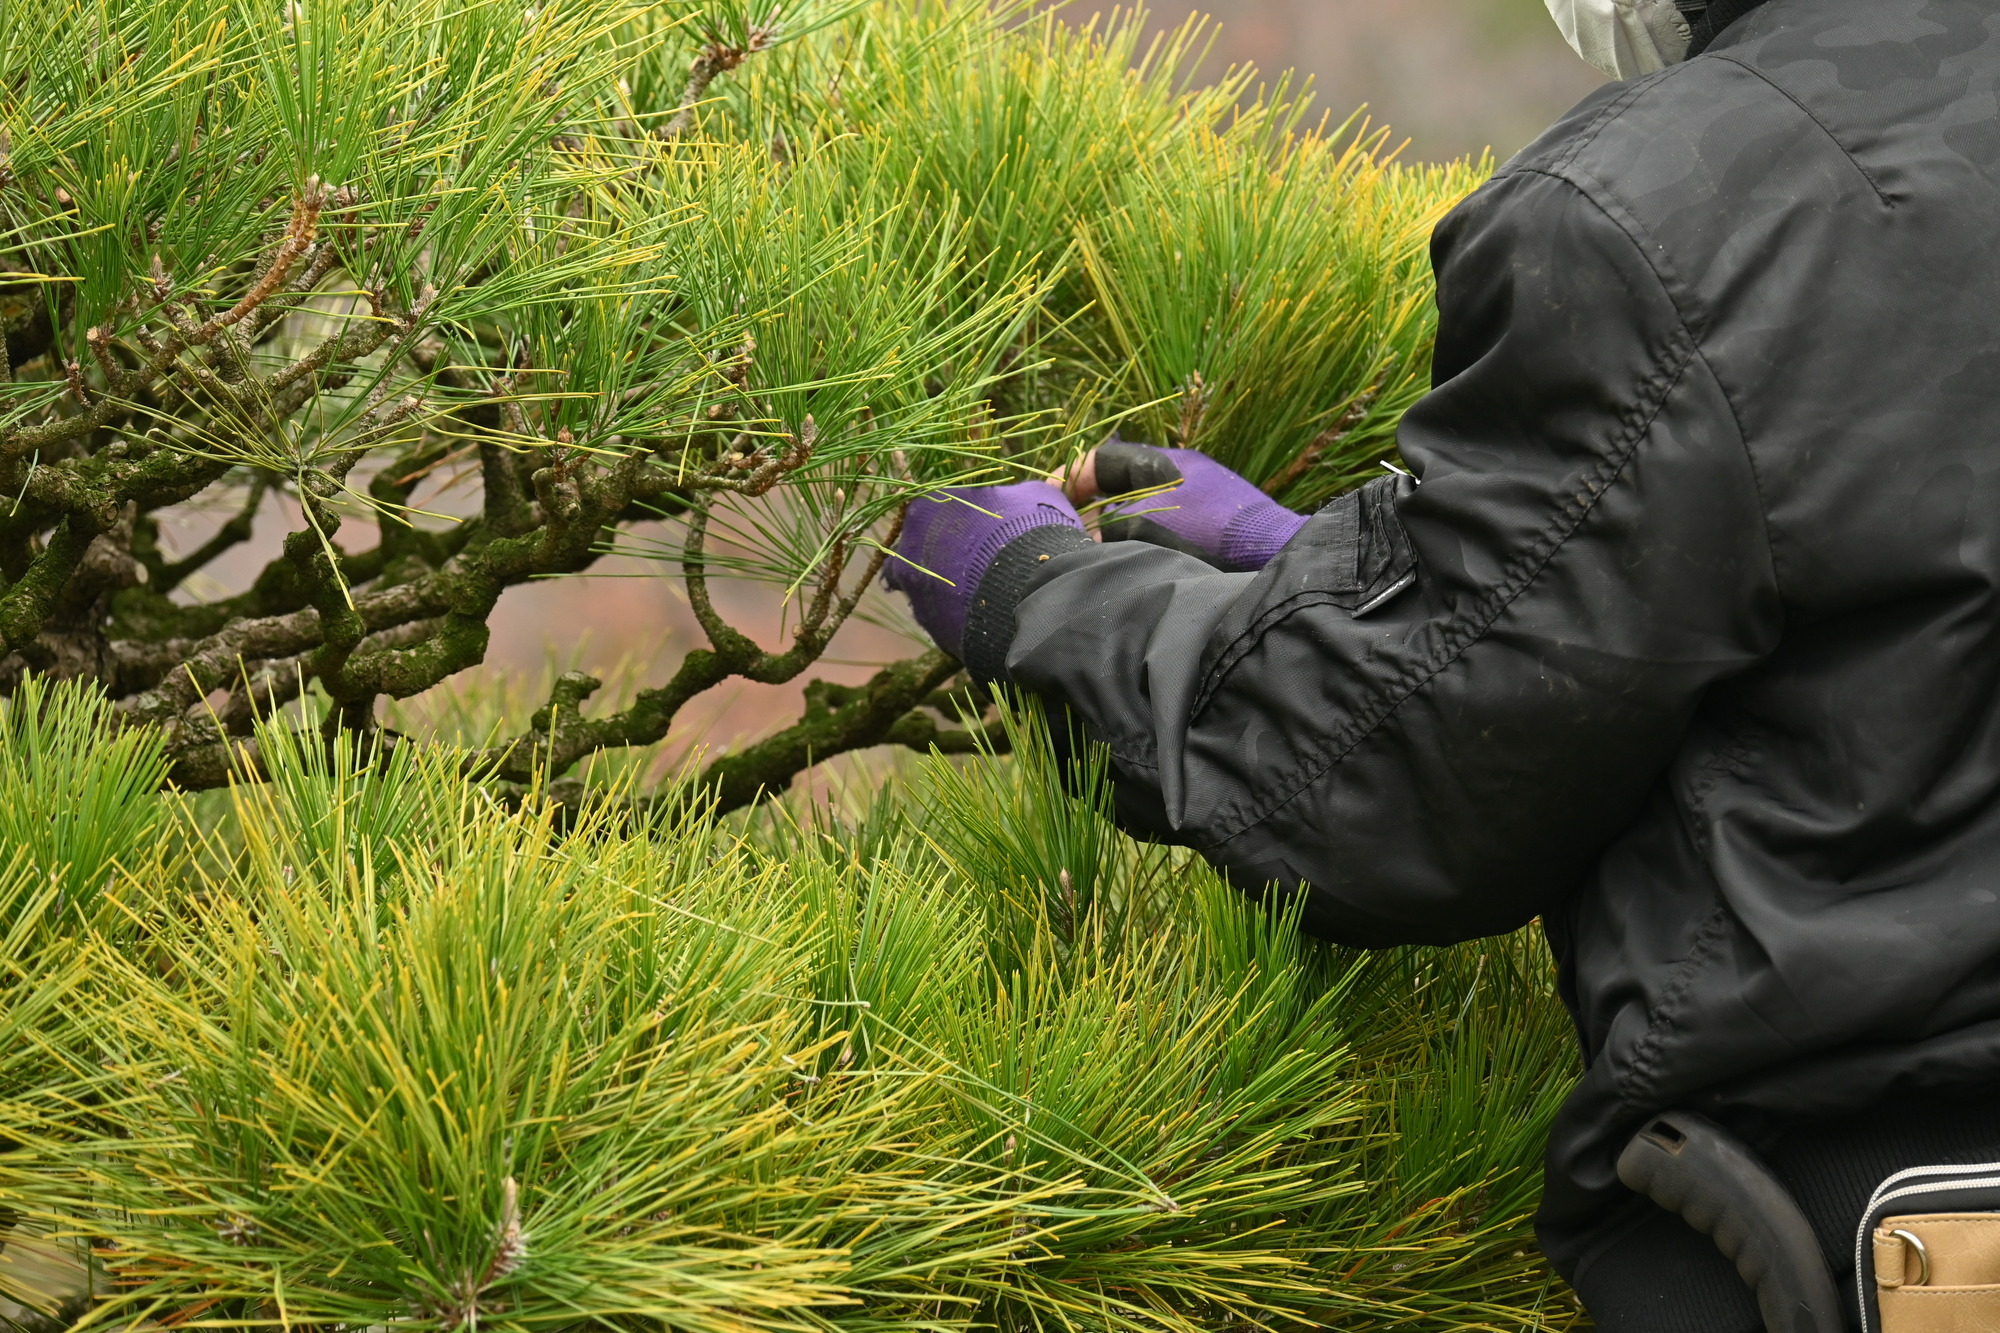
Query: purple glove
(967, 559)
(1212, 513)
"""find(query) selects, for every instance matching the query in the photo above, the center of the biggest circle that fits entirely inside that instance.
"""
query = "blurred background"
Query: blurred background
(1451, 77)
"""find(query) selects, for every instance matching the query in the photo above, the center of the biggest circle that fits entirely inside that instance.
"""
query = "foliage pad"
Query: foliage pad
(374, 1050)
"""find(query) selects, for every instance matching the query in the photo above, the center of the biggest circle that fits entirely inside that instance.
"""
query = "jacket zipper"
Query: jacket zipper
(1885, 1194)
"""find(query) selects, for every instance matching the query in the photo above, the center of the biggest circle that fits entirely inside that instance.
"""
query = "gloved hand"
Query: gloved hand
(967, 554)
(1210, 512)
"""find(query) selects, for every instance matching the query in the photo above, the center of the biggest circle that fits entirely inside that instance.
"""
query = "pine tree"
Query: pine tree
(759, 274)
(356, 1047)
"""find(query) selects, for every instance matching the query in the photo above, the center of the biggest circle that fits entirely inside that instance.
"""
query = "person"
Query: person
(1682, 636)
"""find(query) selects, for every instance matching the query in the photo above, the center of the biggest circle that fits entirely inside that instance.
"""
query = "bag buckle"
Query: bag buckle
(1914, 1242)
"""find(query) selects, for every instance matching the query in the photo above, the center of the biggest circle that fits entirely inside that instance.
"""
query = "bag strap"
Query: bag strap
(1691, 1166)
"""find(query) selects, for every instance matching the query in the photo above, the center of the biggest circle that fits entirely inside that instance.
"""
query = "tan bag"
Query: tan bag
(1928, 1254)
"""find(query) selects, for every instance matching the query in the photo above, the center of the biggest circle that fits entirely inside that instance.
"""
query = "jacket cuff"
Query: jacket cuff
(989, 622)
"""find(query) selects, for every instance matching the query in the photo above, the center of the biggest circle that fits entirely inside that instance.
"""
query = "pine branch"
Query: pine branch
(1321, 443)
(164, 576)
(836, 721)
(714, 60)
(25, 607)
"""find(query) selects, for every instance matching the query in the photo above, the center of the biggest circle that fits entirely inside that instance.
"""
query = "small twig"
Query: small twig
(378, 425)
(1194, 407)
(1322, 442)
(320, 261)
(298, 239)
(714, 59)
(416, 224)
(829, 584)
(726, 639)
(743, 362)
(99, 343)
(874, 570)
(289, 388)
(763, 476)
(819, 626)
(510, 411)
(235, 532)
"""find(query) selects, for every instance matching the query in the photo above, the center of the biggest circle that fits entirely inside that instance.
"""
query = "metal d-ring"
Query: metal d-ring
(1916, 1243)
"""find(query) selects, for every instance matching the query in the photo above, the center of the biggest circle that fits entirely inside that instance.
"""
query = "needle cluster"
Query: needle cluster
(360, 1047)
(473, 294)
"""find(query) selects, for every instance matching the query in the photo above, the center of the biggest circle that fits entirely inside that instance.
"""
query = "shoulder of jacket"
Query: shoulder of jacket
(1602, 137)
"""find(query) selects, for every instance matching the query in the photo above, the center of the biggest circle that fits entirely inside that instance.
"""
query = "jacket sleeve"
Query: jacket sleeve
(1432, 713)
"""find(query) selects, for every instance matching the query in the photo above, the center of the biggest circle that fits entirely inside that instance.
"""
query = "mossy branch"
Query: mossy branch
(837, 719)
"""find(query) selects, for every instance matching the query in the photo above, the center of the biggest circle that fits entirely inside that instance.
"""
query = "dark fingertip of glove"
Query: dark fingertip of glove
(1123, 467)
(1153, 534)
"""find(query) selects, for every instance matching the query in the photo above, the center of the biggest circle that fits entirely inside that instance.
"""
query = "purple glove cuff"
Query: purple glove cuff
(1256, 535)
(948, 544)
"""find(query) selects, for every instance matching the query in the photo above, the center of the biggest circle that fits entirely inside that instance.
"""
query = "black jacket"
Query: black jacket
(1687, 640)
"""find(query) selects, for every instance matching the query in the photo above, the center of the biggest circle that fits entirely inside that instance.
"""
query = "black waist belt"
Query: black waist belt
(1653, 1273)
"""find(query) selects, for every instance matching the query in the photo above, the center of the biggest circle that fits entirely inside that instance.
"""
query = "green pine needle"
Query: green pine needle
(374, 1050)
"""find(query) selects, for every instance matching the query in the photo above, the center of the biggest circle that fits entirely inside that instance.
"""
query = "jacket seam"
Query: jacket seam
(1358, 601)
(1562, 170)
(1725, 760)
(1609, 112)
(1663, 1016)
(1809, 114)
(1246, 640)
(1673, 287)
(1143, 757)
(1749, 461)
(1568, 518)
(1670, 367)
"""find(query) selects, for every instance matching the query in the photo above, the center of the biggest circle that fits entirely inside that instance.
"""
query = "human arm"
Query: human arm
(1446, 757)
